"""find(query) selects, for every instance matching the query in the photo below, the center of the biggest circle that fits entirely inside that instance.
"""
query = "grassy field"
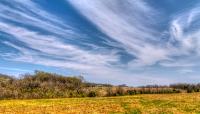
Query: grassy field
(138, 104)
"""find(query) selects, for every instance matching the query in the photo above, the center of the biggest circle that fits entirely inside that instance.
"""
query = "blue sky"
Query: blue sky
(136, 42)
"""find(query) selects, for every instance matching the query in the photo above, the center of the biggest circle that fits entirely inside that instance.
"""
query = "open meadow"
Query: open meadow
(183, 103)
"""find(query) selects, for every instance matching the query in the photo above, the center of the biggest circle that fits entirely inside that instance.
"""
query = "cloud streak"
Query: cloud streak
(129, 22)
(185, 31)
(50, 50)
(132, 23)
(130, 29)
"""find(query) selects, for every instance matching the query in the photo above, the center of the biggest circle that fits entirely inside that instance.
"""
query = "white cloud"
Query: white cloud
(185, 31)
(14, 69)
(129, 22)
(185, 71)
(50, 50)
(51, 46)
(132, 24)
(29, 13)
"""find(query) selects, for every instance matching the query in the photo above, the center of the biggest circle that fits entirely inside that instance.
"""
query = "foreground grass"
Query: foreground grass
(138, 104)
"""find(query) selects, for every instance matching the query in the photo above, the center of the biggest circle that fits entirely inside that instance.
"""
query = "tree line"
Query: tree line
(50, 85)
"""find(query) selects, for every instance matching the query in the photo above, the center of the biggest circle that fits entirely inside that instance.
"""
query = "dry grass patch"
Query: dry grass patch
(137, 104)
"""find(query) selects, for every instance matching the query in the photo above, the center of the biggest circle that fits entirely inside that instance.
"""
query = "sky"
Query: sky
(133, 42)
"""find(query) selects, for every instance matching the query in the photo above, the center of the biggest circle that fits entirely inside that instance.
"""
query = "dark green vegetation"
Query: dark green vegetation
(49, 85)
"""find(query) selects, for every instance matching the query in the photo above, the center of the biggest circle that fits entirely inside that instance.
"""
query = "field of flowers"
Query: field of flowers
(183, 103)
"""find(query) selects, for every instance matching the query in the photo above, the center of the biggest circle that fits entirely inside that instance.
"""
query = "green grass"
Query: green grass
(138, 104)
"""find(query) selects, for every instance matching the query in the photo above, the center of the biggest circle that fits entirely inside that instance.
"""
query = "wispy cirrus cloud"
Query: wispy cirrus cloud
(49, 49)
(133, 48)
(130, 22)
(29, 13)
(14, 69)
(184, 32)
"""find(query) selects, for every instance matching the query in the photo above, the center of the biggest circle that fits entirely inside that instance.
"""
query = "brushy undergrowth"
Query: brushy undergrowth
(49, 85)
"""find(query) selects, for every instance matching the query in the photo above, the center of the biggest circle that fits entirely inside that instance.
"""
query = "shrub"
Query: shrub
(120, 91)
(92, 94)
(131, 92)
(49, 85)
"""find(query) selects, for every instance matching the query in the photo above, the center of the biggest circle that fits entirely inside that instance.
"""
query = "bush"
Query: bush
(131, 92)
(92, 94)
(120, 91)
(49, 85)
